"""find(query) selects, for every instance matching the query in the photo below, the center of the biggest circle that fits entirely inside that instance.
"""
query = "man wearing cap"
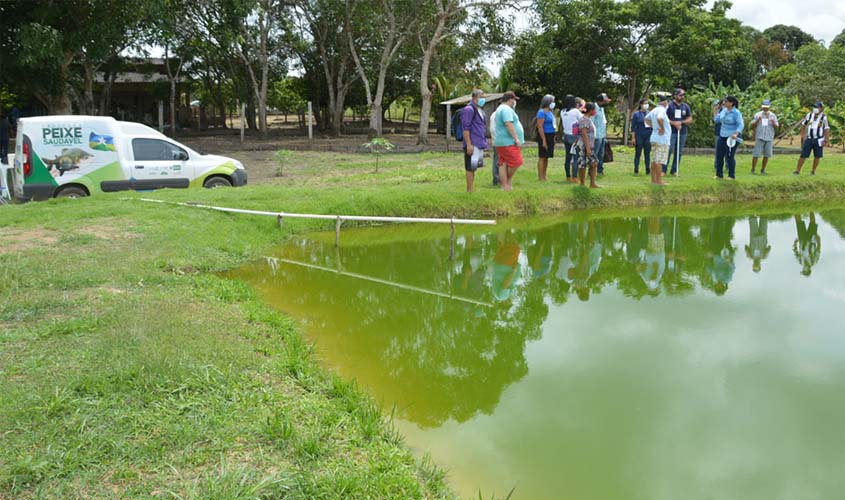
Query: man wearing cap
(815, 134)
(600, 122)
(680, 116)
(510, 136)
(764, 125)
(474, 124)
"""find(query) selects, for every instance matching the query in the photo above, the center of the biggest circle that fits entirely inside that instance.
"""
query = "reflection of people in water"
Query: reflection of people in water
(505, 266)
(589, 260)
(758, 245)
(721, 253)
(808, 245)
(653, 258)
(470, 283)
(540, 255)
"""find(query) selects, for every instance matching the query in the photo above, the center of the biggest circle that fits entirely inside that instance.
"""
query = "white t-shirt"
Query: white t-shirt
(568, 119)
(652, 117)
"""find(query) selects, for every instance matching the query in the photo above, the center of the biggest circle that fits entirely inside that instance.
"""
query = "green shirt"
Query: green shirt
(504, 114)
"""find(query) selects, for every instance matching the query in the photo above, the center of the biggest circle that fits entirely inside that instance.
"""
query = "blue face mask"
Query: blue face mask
(481, 102)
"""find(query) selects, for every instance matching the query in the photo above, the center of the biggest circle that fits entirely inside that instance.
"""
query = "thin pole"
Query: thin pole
(337, 224)
(448, 124)
(678, 153)
(281, 219)
(452, 242)
(161, 116)
(310, 121)
(243, 113)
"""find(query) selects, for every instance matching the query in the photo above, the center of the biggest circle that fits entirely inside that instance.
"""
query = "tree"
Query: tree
(839, 39)
(383, 41)
(447, 19)
(322, 26)
(791, 37)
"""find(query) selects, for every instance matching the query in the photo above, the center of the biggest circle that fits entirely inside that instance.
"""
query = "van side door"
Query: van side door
(157, 163)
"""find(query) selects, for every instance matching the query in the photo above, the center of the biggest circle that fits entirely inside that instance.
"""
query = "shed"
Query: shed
(459, 102)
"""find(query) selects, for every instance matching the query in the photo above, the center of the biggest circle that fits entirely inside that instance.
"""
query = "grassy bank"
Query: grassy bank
(128, 369)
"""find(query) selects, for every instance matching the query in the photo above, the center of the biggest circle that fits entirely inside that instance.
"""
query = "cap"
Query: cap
(679, 91)
(663, 98)
(603, 97)
(767, 103)
(507, 96)
(818, 104)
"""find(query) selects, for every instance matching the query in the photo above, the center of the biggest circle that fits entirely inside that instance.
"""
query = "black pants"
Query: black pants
(4, 151)
(724, 155)
(643, 147)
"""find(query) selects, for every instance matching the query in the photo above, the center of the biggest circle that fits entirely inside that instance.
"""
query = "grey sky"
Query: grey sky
(823, 19)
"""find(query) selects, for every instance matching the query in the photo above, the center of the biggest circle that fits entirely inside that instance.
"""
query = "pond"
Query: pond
(653, 357)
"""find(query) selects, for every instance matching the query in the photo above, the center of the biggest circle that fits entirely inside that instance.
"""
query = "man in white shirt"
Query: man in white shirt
(815, 135)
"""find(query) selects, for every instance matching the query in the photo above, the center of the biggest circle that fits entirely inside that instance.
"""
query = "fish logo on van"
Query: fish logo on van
(101, 142)
(68, 160)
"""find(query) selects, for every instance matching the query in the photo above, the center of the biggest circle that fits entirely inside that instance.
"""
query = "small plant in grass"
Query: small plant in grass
(378, 147)
(283, 157)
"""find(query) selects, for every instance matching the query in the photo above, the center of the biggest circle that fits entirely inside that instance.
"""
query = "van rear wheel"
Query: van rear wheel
(216, 182)
(72, 192)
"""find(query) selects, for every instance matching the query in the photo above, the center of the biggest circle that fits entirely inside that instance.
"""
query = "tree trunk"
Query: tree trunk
(87, 104)
(173, 107)
(250, 111)
(425, 88)
(105, 97)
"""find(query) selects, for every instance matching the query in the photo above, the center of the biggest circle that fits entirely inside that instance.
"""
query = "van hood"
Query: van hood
(222, 159)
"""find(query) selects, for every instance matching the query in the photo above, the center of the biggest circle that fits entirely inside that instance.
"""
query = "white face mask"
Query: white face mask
(552, 106)
(816, 111)
(645, 107)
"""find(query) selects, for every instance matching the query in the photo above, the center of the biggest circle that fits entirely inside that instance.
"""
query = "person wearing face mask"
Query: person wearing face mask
(545, 131)
(815, 135)
(729, 137)
(641, 137)
(510, 136)
(659, 139)
(584, 147)
(569, 127)
(474, 124)
(600, 122)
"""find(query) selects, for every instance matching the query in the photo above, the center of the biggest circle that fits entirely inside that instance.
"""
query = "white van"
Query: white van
(78, 156)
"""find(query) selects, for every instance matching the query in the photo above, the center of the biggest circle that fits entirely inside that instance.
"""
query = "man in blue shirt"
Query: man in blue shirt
(600, 121)
(680, 116)
(474, 124)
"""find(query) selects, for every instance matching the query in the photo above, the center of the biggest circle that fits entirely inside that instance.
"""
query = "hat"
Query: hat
(602, 97)
(767, 103)
(679, 91)
(731, 142)
(507, 96)
(818, 104)
(663, 98)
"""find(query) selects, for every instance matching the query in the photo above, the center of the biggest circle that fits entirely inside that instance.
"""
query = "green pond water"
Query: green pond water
(629, 358)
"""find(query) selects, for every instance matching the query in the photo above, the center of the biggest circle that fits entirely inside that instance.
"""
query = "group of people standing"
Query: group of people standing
(659, 136)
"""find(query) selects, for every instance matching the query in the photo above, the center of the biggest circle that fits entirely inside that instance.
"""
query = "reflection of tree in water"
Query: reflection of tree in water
(443, 358)
(835, 218)
(437, 358)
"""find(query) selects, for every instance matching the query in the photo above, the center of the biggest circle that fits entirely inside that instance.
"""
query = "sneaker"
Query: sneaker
(812, 173)
(796, 172)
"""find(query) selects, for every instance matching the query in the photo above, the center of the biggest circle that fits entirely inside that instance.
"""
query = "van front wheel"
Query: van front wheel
(216, 182)
(72, 192)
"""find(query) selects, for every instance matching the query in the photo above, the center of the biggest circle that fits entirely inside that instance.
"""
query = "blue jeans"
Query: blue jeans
(643, 148)
(598, 150)
(673, 146)
(569, 163)
(724, 154)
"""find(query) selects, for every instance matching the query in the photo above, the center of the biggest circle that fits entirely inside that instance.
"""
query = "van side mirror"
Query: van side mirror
(180, 156)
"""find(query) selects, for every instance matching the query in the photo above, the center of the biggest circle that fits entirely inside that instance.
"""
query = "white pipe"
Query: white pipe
(372, 218)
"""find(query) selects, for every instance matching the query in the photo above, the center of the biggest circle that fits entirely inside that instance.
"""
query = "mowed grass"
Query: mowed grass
(129, 369)
(433, 184)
